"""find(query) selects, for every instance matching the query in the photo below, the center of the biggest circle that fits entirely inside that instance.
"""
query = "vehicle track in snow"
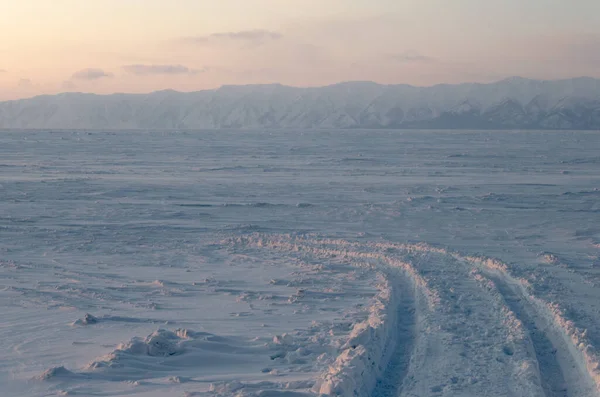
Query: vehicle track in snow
(463, 325)
(561, 372)
(390, 384)
(553, 381)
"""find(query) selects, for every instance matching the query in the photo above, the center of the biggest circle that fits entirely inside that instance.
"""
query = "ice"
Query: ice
(300, 263)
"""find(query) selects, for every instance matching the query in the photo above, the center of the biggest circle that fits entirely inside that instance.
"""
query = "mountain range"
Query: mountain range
(514, 103)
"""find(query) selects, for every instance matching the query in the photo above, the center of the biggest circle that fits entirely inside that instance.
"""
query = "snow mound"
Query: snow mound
(283, 339)
(161, 343)
(170, 354)
(55, 372)
(365, 355)
(88, 319)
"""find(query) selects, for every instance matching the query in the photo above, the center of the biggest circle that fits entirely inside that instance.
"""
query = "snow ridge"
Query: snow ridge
(366, 352)
(365, 355)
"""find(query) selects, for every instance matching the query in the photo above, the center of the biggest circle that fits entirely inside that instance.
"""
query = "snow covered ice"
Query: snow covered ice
(300, 263)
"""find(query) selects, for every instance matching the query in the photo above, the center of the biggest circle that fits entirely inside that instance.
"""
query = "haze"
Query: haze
(146, 45)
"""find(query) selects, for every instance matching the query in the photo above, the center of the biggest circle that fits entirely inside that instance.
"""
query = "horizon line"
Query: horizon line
(302, 87)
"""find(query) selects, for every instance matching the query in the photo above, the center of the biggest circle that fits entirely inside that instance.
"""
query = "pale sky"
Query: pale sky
(106, 46)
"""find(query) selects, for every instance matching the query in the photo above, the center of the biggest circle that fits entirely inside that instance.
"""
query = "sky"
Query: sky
(106, 46)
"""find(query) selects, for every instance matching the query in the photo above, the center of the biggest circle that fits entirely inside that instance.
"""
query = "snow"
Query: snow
(345, 263)
(511, 103)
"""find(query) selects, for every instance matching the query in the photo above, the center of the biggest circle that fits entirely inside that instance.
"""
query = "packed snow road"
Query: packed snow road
(350, 263)
(478, 332)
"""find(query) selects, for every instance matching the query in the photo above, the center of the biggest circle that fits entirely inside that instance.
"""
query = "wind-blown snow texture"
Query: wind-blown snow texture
(343, 263)
(514, 103)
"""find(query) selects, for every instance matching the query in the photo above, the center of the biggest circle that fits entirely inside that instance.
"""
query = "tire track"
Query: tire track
(453, 334)
(560, 371)
(390, 384)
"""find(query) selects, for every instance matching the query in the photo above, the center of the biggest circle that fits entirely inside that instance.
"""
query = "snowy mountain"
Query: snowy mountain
(514, 103)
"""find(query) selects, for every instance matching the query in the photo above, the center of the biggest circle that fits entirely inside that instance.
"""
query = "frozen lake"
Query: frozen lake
(374, 263)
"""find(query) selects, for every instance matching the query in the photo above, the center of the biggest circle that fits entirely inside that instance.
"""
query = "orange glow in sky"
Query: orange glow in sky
(106, 46)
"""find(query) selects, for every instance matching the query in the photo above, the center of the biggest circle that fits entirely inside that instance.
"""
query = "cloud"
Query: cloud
(256, 36)
(410, 56)
(91, 74)
(3, 71)
(25, 83)
(145, 70)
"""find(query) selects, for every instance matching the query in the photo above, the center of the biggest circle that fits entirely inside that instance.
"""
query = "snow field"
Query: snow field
(438, 324)
(466, 304)
(113, 243)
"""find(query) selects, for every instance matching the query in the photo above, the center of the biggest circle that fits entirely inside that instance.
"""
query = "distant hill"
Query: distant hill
(514, 103)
